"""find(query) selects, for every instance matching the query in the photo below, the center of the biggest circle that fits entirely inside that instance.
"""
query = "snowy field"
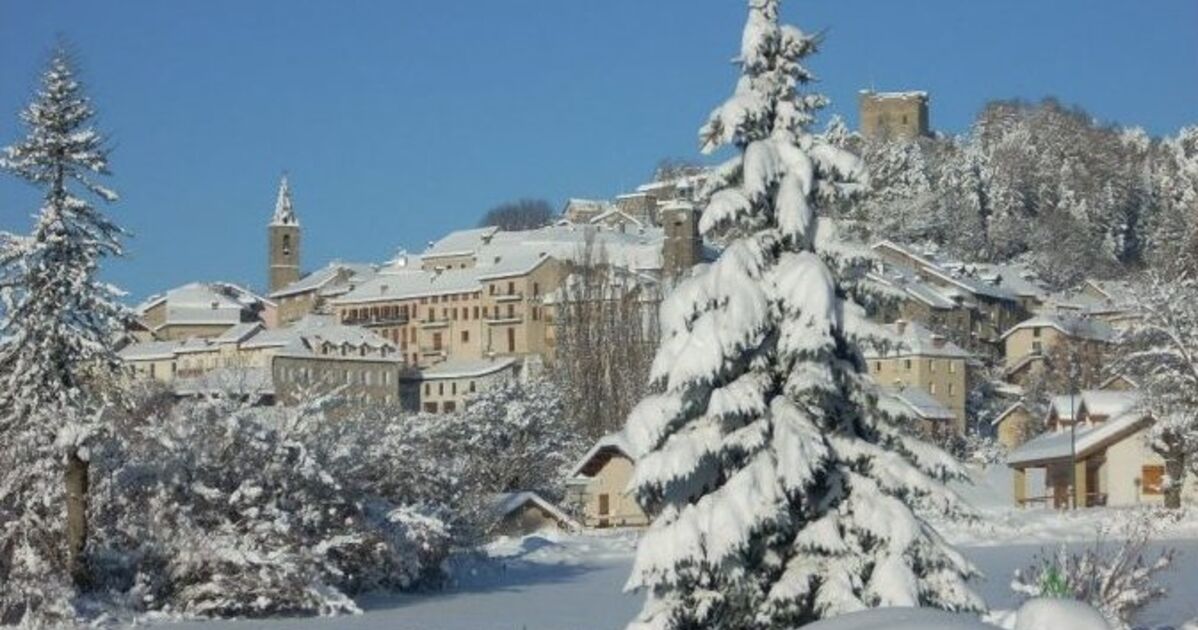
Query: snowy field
(556, 581)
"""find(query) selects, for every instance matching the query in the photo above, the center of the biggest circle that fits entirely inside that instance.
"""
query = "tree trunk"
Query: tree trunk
(1175, 468)
(76, 481)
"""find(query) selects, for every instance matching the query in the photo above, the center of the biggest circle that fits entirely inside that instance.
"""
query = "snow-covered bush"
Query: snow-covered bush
(1115, 573)
(217, 510)
(518, 437)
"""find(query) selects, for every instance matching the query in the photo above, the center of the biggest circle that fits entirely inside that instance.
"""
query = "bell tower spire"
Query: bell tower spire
(283, 240)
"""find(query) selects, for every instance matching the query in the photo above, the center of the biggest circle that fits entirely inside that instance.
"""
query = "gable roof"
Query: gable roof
(913, 401)
(505, 503)
(1006, 413)
(612, 443)
(1090, 438)
(1078, 327)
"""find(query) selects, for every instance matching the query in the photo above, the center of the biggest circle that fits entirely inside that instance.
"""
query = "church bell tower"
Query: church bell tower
(284, 241)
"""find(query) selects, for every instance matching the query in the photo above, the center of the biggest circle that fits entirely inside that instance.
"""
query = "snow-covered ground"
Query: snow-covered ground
(555, 581)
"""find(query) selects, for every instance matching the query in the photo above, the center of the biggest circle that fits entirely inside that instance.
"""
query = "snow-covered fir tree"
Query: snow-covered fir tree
(58, 323)
(779, 493)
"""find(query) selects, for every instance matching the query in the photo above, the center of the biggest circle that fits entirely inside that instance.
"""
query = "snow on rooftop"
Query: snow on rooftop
(905, 401)
(505, 503)
(1079, 327)
(910, 338)
(920, 94)
(467, 368)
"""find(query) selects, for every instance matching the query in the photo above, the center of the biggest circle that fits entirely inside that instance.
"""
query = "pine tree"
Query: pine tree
(779, 492)
(58, 321)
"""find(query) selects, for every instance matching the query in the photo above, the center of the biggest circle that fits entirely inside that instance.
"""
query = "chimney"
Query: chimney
(938, 341)
(900, 325)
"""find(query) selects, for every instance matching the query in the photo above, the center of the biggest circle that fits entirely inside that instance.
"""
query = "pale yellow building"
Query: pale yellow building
(598, 486)
(1094, 453)
(1012, 426)
(1028, 343)
(922, 359)
(204, 309)
(447, 386)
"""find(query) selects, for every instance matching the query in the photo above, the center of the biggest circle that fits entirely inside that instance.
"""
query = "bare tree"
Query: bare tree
(1160, 354)
(521, 214)
(606, 325)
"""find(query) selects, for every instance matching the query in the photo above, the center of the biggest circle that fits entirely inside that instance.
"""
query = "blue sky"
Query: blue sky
(399, 121)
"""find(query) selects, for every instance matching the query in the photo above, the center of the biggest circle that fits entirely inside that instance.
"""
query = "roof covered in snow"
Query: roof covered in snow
(911, 339)
(1077, 327)
(1090, 437)
(505, 503)
(910, 400)
(467, 368)
(321, 278)
(611, 443)
(201, 303)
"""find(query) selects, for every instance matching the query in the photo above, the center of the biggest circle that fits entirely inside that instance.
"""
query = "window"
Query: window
(877, 366)
(430, 407)
(1036, 332)
(604, 506)
(440, 389)
(436, 298)
(1037, 348)
(931, 365)
(511, 288)
(1151, 479)
(511, 340)
(907, 364)
(476, 312)
(952, 367)
(455, 313)
(436, 341)
(471, 387)
(511, 310)
(453, 388)
(449, 406)
(444, 313)
(428, 389)
(536, 289)
(286, 244)
(536, 314)
(951, 387)
(904, 119)
(465, 336)
(492, 289)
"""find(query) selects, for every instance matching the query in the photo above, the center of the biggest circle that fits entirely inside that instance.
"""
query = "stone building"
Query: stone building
(683, 247)
(926, 360)
(972, 311)
(204, 309)
(1028, 343)
(893, 114)
(445, 387)
(312, 293)
(283, 241)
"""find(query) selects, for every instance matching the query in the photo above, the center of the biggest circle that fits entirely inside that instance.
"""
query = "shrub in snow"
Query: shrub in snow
(1118, 577)
(779, 493)
(214, 510)
(56, 321)
(518, 437)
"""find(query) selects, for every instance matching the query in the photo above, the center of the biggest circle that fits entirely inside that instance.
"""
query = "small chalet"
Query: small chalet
(520, 513)
(1093, 453)
(599, 482)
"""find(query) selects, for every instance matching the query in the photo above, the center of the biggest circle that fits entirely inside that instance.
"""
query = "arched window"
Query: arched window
(286, 244)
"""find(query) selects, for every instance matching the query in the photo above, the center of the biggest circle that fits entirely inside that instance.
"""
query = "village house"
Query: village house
(1093, 453)
(447, 386)
(204, 309)
(598, 486)
(523, 513)
(312, 293)
(1110, 301)
(1028, 343)
(1013, 425)
(950, 298)
(931, 417)
(918, 358)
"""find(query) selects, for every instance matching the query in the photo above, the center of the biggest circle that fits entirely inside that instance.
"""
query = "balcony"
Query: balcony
(434, 323)
(378, 319)
(509, 297)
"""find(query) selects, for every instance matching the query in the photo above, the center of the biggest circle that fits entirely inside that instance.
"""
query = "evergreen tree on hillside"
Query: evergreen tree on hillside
(55, 334)
(779, 493)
